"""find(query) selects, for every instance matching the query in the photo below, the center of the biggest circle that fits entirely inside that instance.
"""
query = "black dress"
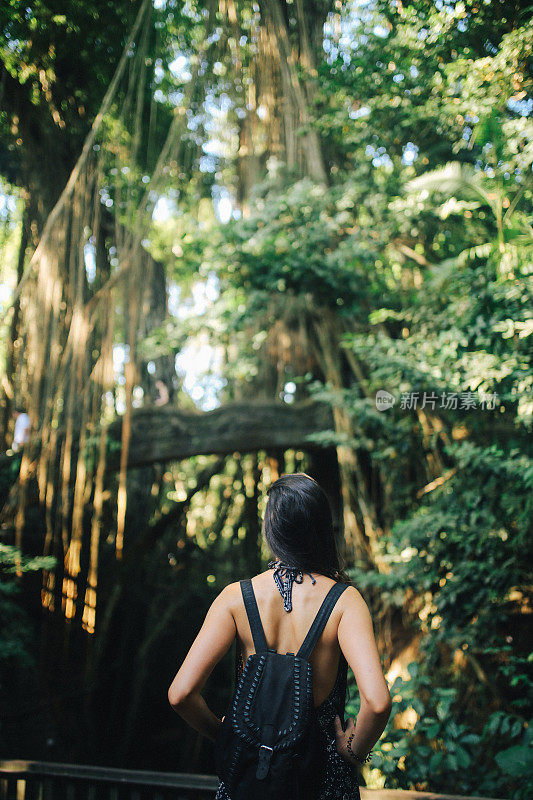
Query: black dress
(339, 780)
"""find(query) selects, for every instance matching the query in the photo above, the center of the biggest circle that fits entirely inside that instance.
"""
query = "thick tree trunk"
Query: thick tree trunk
(299, 93)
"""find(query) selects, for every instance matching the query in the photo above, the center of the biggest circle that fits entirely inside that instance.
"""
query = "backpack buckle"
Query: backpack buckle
(265, 754)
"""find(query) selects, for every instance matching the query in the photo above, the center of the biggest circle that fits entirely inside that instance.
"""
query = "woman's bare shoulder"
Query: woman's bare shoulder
(352, 593)
(352, 600)
(229, 597)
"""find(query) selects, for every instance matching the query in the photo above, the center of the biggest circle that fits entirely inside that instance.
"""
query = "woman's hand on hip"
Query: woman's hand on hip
(344, 741)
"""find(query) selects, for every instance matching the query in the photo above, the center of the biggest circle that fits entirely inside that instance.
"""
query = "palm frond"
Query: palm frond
(452, 177)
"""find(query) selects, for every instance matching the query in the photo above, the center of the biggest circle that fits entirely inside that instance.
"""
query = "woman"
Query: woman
(298, 530)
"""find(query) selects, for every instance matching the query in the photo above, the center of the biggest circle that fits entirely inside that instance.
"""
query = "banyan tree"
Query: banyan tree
(135, 491)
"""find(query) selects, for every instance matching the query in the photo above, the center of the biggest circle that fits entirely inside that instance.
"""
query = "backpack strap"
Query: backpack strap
(252, 612)
(320, 620)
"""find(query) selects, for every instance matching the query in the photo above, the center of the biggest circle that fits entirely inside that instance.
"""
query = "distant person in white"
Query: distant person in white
(21, 433)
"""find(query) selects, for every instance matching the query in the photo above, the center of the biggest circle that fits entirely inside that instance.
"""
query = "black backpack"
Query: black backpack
(270, 744)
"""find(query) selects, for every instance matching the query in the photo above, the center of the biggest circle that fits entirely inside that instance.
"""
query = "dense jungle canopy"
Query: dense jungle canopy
(226, 228)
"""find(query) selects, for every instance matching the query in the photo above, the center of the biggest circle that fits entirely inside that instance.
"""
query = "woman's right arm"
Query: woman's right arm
(357, 642)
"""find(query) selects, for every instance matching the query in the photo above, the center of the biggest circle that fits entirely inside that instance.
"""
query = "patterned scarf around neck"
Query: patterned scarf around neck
(284, 577)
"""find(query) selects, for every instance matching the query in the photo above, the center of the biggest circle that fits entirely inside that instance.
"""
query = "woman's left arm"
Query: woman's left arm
(212, 643)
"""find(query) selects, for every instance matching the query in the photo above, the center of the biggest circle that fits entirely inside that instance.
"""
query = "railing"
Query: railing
(43, 780)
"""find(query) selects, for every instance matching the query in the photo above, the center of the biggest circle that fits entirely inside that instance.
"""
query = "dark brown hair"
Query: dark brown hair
(298, 526)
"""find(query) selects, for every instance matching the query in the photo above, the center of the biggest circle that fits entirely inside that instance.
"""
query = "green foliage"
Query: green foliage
(299, 241)
(444, 748)
(44, 56)
(15, 633)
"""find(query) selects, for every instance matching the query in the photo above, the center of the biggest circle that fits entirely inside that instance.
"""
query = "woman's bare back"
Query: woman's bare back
(285, 631)
(349, 630)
